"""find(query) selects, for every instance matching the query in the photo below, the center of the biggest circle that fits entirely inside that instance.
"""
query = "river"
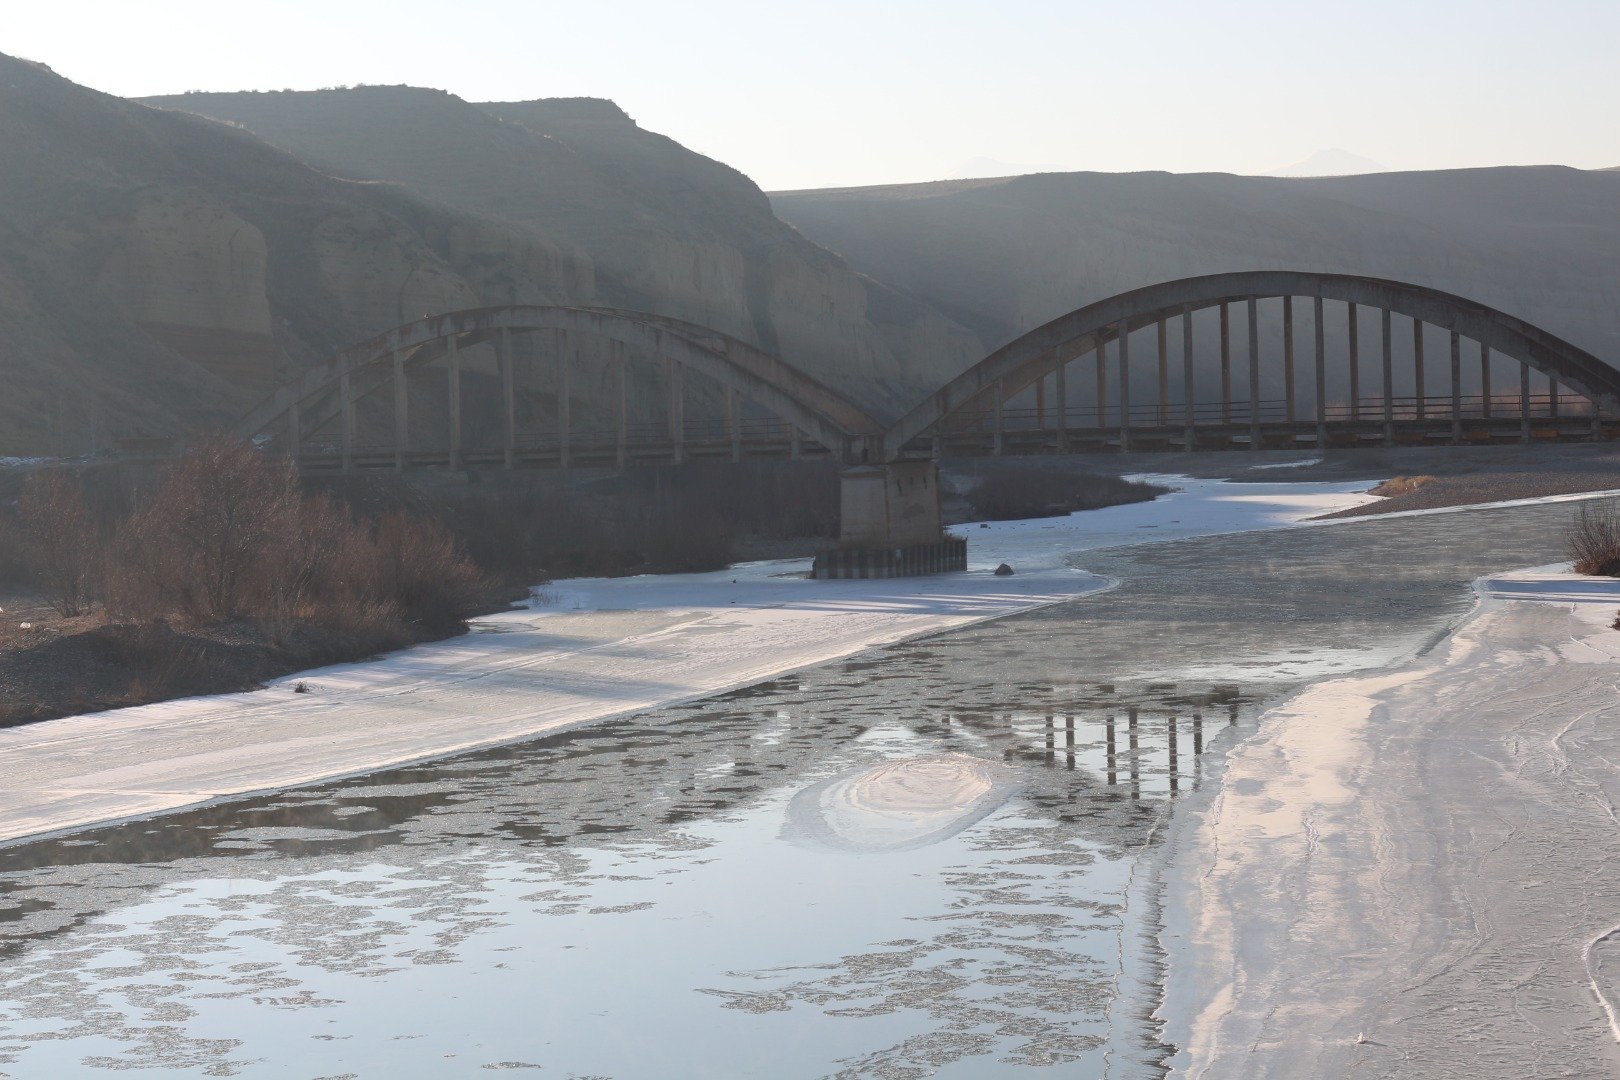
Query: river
(720, 888)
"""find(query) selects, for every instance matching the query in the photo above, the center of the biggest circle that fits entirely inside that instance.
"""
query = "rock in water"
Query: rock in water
(1004, 570)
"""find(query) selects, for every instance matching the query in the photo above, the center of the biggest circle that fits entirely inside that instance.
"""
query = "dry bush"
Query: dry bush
(207, 541)
(1592, 540)
(1012, 492)
(421, 569)
(62, 538)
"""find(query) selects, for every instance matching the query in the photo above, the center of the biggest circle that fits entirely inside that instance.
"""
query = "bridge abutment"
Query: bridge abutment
(890, 525)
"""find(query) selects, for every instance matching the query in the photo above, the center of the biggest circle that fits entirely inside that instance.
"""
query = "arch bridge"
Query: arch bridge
(1321, 360)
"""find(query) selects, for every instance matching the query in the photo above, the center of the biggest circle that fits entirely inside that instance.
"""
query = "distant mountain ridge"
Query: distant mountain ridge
(1004, 256)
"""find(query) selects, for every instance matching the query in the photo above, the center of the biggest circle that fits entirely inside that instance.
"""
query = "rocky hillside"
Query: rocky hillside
(665, 229)
(158, 272)
(1003, 256)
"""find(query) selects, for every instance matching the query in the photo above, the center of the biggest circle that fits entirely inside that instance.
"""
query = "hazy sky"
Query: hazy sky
(841, 92)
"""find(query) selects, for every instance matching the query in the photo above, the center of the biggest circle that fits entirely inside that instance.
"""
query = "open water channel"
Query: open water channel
(675, 895)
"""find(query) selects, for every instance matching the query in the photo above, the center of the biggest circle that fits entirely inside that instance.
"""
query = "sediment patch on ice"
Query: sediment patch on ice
(899, 805)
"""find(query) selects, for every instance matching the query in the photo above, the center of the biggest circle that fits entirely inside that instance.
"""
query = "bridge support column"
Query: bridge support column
(1188, 391)
(1164, 374)
(1061, 391)
(1524, 402)
(346, 418)
(1456, 387)
(1389, 381)
(295, 435)
(1124, 387)
(621, 406)
(1254, 373)
(1552, 396)
(402, 420)
(1354, 364)
(503, 356)
(565, 396)
(453, 359)
(1000, 406)
(1102, 384)
(890, 525)
(1419, 384)
(733, 425)
(1288, 358)
(1321, 376)
(1226, 364)
(1485, 379)
(677, 413)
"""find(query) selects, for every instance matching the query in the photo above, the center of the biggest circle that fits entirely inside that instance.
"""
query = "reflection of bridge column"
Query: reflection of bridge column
(503, 356)
(1389, 380)
(1485, 377)
(1136, 772)
(1112, 755)
(1321, 376)
(1226, 364)
(1456, 387)
(1288, 358)
(1188, 392)
(1254, 373)
(1355, 361)
(1124, 387)
(453, 363)
(402, 421)
(1175, 765)
(1068, 739)
(1198, 733)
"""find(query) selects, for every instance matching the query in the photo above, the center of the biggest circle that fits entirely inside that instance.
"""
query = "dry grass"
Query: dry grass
(1400, 485)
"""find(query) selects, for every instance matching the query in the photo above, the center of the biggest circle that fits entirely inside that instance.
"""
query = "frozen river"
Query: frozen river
(924, 860)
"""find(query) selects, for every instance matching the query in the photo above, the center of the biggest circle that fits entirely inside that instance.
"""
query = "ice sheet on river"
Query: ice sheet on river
(601, 648)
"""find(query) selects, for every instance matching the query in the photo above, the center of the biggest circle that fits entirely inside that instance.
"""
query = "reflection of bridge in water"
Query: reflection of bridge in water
(1321, 361)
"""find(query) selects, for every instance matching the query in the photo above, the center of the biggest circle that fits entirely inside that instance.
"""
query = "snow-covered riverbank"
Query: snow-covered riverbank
(1410, 872)
(597, 648)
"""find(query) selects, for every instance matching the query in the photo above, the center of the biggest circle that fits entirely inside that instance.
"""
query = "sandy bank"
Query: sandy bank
(1411, 872)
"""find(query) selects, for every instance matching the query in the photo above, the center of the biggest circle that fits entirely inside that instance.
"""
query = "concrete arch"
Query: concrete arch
(1018, 364)
(820, 413)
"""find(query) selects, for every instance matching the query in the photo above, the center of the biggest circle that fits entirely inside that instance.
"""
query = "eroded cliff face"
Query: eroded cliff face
(665, 230)
(159, 272)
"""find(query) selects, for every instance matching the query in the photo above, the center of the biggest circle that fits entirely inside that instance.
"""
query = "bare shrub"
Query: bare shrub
(201, 544)
(62, 537)
(420, 569)
(1592, 540)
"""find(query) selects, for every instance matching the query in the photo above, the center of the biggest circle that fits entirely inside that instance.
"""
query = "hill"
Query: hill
(158, 273)
(1003, 256)
(665, 229)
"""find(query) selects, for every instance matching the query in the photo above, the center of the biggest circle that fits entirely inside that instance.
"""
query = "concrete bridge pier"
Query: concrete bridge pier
(890, 525)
